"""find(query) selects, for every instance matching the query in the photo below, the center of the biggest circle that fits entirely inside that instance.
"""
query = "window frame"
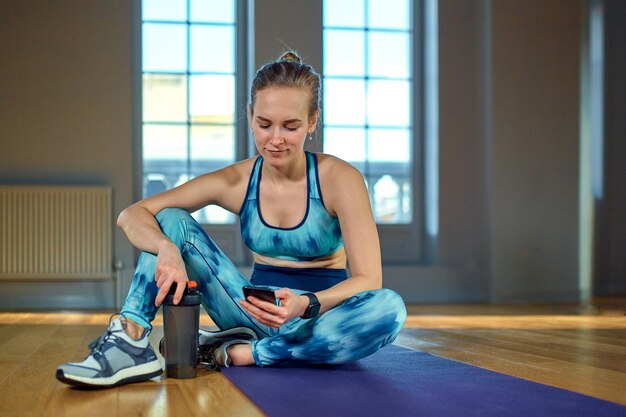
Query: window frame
(394, 237)
(227, 236)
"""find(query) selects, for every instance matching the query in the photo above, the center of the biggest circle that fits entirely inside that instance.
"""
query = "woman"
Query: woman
(303, 215)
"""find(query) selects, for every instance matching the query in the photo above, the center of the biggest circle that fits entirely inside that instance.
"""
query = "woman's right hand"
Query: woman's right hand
(170, 269)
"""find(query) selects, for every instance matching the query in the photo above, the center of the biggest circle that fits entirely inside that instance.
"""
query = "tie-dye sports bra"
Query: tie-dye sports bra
(316, 236)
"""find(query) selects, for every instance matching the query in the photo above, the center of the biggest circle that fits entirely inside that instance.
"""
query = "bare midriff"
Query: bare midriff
(336, 259)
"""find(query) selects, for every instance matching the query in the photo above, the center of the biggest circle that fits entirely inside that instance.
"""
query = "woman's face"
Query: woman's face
(280, 123)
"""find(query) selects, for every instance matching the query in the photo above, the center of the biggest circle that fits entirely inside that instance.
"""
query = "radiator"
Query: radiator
(55, 232)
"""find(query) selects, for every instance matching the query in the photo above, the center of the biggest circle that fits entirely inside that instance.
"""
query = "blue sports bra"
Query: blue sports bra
(316, 236)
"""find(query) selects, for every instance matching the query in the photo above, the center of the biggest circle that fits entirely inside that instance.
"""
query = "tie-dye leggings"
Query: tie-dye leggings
(355, 328)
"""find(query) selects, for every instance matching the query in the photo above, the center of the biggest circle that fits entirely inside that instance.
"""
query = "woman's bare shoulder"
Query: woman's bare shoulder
(329, 166)
(339, 181)
(244, 167)
(235, 173)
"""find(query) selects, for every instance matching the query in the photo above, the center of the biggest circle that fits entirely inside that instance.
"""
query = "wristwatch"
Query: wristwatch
(313, 310)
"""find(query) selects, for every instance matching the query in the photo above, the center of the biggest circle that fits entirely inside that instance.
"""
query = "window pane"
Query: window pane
(389, 14)
(345, 143)
(164, 98)
(165, 142)
(344, 102)
(389, 54)
(165, 10)
(213, 11)
(164, 47)
(344, 52)
(212, 49)
(390, 199)
(212, 99)
(213, 214)
(344, 13)
(212, 148)
(389, 145)
(388, 103)
(164, 156)
(377, 141)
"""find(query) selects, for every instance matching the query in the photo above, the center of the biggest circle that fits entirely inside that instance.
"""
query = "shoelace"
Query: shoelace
(97, 344)
(207, 360)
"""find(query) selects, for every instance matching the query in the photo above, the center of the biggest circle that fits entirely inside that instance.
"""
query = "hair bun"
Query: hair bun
(290, 56)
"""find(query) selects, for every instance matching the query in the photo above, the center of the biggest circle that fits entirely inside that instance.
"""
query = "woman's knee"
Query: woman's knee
(392, 301)
(382, 302)
(173, 221)
(172, 215)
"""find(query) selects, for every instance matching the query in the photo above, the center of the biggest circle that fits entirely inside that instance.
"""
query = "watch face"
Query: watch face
(315, 310)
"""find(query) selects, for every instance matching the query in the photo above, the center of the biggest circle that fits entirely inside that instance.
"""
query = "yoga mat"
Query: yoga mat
(397, 382)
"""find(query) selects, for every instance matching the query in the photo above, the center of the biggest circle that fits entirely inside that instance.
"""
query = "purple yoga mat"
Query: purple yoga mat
(398, 382)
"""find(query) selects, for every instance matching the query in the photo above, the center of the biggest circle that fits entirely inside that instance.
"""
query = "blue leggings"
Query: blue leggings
(353, 329)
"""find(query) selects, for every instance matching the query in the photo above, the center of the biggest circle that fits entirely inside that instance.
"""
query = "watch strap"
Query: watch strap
(313, 309)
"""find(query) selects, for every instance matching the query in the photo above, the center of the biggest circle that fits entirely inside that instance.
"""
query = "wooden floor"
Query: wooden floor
(579, 348)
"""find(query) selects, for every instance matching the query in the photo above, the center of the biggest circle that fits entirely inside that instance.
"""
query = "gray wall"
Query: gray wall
(66, 116)
(272, 34)
(533, 152)
(610, 239)
(509, 112)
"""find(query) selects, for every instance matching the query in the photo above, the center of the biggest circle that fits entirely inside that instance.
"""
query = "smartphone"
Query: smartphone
(262, 293)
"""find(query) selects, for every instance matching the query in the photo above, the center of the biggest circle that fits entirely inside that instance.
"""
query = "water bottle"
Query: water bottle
(181, 322)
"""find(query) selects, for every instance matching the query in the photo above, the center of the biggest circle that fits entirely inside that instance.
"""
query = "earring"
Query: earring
(310, 136)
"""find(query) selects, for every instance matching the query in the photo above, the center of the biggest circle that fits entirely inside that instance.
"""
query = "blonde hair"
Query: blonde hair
(288, 71)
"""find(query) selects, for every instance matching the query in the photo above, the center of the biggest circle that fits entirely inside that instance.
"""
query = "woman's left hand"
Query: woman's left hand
(291, 306)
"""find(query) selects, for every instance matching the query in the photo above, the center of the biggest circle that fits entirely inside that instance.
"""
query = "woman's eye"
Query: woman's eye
(291, 129)
(264, 126)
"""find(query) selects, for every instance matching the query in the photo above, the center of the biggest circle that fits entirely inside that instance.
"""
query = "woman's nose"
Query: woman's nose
(276, 137)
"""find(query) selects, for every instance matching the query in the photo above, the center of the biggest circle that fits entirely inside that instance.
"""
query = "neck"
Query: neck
(293, 170)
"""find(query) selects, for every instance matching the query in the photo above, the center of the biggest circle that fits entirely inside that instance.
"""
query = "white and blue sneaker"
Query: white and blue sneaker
(115, 359)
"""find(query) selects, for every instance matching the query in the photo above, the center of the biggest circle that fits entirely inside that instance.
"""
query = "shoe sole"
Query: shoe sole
(229, 332)
(221, 333)
(125, 376)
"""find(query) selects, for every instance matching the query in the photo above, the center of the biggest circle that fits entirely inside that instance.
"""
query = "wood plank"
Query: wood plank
(577, 377)
(17, 349)
(568, 351)
(211, 393)
(579, 348)
(37, 370)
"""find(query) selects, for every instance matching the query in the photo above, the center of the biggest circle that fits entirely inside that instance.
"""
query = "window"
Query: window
(368, 96)
(189, 93)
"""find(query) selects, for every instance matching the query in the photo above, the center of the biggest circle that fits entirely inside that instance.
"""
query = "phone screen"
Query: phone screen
(261, 293)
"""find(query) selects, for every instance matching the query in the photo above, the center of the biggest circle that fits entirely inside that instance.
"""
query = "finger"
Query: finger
(283, 293)
(250, 305)
(252, 311)
(180, 289)
(261, 315)
(262, 304)
(165, 287)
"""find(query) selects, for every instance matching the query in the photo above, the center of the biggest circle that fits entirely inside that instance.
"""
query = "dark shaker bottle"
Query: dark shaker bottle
(181, 322)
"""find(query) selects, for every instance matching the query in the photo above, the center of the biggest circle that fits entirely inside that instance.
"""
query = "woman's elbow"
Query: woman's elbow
(376, 281)
(122, 218)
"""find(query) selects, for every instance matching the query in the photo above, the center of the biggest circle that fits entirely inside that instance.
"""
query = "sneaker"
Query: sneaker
(115, 359)
(212, 346)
